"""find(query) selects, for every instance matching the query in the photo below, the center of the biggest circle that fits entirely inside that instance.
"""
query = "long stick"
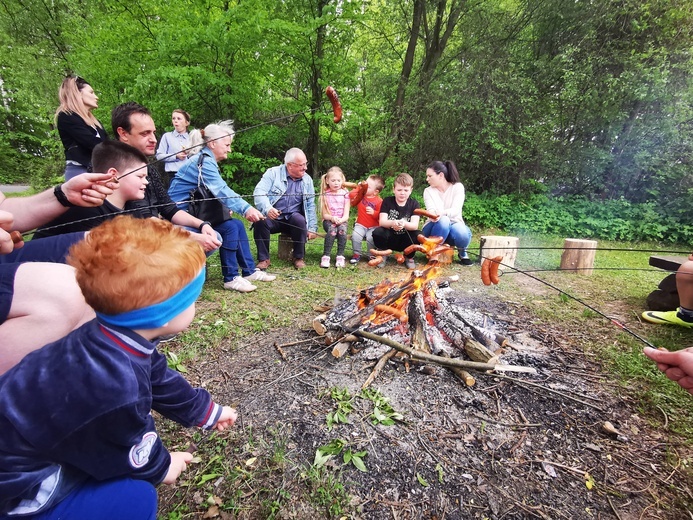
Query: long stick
(449, 362)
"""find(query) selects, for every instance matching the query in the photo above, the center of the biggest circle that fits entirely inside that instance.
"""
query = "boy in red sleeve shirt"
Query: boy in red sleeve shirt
(368, 210)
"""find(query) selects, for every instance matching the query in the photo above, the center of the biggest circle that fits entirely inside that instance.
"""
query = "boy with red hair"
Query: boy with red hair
(78, 438)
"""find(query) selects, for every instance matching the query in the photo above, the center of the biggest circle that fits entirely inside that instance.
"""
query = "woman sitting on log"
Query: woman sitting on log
(444, 199)
(214, 143)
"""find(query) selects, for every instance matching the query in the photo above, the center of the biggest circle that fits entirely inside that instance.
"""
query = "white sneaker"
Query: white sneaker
(239, 284)
(339, 262)
(325, 262)
(260, 276)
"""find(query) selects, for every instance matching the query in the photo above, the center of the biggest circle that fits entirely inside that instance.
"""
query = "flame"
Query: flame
(408, 285)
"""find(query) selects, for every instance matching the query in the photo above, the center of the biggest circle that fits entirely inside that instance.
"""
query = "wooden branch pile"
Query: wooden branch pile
(413, 321)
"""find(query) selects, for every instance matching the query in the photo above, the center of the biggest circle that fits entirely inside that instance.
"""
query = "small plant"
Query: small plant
(174, 362)
(383, 413)
(337, 447)
(343, 400)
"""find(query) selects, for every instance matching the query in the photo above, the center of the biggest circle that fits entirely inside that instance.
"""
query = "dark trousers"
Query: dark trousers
(294, 225)
(385, 238)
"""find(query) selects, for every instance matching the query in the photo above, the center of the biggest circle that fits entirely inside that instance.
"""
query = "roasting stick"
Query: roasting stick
(449, 362)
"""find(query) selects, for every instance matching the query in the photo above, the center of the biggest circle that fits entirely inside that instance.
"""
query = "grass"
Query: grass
(262, 475)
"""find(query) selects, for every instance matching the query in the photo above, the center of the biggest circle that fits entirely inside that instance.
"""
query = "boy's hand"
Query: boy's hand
(226, 419)
(179, 461)
(370, 211)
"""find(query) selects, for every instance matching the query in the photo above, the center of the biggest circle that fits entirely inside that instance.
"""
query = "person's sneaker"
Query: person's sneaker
(325, 262)
(464, 258)
(299, 263)
(339, 262)
(409, 263)
(260, 276)
(383, 263)
(667, 318)
(355, 259)
(263, 264)
(239, 284)
(167, 337)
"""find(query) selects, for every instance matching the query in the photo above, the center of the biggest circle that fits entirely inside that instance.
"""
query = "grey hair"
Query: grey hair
(198, 139)
(291, 154)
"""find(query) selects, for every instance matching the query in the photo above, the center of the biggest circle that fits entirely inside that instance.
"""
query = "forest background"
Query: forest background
(563, 116)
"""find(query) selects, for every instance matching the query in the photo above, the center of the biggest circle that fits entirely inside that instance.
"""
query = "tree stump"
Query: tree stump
(578, 255)
(285, 249)
(492, 246)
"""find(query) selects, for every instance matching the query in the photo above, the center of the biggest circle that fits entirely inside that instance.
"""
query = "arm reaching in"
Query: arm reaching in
(226, 419)
(677, 366)
(87, 190)
(179, 461)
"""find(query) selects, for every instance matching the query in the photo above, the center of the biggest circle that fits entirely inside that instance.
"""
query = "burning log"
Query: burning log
(413, 316)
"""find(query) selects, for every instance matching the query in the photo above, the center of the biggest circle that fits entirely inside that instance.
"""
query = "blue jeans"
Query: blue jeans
(457, 234)
(235, 249)
(73, 170)
(109, 500)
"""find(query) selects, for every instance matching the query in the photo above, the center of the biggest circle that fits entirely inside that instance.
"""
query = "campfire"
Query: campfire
(415, 320)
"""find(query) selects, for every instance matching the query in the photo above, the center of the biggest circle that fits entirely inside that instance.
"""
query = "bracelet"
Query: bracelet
(205, 223)
(62, 198)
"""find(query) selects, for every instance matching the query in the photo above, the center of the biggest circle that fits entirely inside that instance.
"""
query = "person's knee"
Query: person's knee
(297, 219)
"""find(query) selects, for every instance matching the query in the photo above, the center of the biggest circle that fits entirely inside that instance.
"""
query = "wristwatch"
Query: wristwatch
(205, 223)
(62, 198)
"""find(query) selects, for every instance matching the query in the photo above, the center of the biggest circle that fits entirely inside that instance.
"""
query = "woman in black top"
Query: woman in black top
(79, 130)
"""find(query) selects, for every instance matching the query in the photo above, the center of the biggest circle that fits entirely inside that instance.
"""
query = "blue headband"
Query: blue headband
(158, 314)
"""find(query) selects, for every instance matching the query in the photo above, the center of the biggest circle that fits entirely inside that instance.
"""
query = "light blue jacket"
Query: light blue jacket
(274, 184)
(186, 180)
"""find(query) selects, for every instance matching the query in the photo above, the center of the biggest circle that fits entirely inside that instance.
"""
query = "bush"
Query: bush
(576, 217)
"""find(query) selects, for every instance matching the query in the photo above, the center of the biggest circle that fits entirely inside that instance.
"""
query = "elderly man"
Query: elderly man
(132, 124)
(286, 196)
(41, 302)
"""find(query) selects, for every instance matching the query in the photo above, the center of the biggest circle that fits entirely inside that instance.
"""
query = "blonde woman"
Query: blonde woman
(79, 130)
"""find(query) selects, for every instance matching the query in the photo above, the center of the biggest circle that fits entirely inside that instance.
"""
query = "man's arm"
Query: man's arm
(86, 190)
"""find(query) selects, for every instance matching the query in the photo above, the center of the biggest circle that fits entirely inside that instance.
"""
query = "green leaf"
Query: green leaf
(421, 480)
(358, 464)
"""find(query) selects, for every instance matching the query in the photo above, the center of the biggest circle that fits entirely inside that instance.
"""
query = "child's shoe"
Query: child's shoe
(339, 262)
(355, 259)
(409, 263)
(325, 262)
(383, 263)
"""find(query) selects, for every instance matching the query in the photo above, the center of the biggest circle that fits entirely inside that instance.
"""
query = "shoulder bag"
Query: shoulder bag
(203, 203)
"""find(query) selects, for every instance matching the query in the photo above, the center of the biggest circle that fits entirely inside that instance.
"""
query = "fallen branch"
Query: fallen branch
(378, 367)
(551, 390)
(448, 362)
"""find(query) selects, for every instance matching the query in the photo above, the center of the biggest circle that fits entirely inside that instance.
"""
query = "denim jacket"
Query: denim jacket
(186, 180)
(274, 184)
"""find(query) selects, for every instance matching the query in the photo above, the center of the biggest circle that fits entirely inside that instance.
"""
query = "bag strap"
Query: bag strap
(200, 161)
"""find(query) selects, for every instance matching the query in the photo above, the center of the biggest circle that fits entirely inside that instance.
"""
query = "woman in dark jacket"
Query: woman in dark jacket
(79, 130)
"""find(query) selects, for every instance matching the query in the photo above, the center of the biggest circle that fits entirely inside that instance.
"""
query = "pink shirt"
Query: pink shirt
(337, 202)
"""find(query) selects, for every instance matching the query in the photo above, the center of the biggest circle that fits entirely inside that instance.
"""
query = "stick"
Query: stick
(458, 363)
(378, 367)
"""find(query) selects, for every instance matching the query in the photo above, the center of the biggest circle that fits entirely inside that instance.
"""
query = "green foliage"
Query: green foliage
(576, 217)
(383, 413)
(344, 407)
(335, 448)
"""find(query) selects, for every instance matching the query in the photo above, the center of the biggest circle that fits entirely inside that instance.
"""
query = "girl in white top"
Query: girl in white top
(445, 197)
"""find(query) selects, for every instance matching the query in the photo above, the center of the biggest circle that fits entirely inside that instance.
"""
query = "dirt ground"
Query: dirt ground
(513, 446)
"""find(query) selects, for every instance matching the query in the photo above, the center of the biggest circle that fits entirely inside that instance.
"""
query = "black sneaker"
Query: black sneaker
(464, 258)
